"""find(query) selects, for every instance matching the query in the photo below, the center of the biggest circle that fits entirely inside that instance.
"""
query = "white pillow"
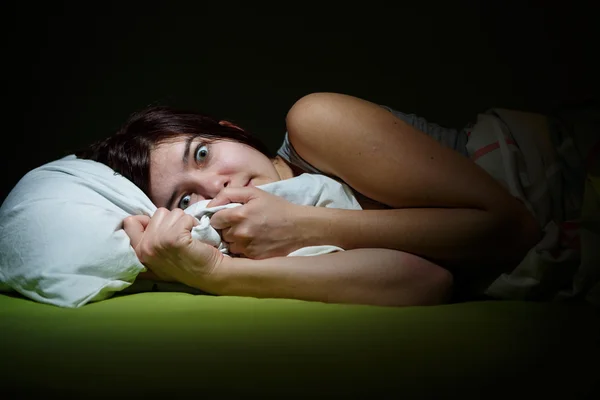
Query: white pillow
(61, 237)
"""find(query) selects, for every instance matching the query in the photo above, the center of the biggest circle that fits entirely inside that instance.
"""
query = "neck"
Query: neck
(285, 170)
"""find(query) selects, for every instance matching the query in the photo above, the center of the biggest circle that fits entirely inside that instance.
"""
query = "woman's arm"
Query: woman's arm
(362, 276)
(164, 244)
(446, 208)
(451, 237)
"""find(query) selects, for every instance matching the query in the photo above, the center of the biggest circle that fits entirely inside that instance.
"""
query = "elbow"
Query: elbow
(427, 285)
(437, 288)
(522, 233)
(529, 235)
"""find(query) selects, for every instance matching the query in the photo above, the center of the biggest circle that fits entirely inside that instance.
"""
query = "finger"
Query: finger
(236, 244)
(156, 222)
(135, 226)
(185, 223)
(224, 219)
(167, 228)
(234, 195)
(227, 235)
(173, 218)
(235, 248)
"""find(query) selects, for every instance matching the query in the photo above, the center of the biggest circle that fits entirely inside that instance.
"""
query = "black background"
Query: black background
(73, 71)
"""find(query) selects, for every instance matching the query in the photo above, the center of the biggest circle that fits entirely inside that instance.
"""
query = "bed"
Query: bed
(179, 345)
(95, 339)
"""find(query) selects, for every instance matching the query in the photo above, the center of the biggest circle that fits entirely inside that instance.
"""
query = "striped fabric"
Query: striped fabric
(549, 169)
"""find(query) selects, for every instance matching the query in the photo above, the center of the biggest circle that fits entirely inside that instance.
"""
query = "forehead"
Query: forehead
(167, 154)
(165, 163)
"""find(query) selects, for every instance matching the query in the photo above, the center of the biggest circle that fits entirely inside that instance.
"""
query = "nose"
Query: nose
(212, 185)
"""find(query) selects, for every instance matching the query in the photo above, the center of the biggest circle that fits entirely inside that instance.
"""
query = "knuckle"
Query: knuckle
(244, 233)
(216, 223)
(228, 235)
(169, 243)
(240, 213)
(178, 212)
(146, 253)
(161, 211)
(189, 218)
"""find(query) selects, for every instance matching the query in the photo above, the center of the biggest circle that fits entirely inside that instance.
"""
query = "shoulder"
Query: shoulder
(333, 130)
(349, 138)
(371, 149)
(324, 107)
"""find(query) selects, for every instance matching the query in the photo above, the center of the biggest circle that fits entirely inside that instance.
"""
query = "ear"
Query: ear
(229, 124)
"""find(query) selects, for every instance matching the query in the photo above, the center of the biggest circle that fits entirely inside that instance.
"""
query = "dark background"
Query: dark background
(73, 72)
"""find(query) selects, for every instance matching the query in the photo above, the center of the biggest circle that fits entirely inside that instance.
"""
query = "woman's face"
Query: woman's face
(188, 170)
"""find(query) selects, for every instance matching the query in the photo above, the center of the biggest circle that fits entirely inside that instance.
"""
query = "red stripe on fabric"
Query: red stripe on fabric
(569, 225)
(490, 147)
(569, 235)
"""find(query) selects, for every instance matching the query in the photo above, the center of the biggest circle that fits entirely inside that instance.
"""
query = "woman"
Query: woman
(428, 209)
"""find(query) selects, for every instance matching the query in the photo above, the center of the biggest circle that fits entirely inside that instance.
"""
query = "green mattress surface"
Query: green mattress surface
(178, 345)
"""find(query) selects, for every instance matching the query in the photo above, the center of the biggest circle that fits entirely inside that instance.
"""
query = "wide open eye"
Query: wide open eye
(201, 154)
(184, 202)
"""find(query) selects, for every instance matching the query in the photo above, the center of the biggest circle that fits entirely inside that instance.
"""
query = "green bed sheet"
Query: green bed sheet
(178, 345)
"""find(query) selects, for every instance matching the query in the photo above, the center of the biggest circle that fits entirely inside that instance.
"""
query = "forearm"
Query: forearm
(361, 276)
(449, 236)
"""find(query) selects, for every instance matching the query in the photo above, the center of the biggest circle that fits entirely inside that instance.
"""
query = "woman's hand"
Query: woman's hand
(164, 244)
(263, 227)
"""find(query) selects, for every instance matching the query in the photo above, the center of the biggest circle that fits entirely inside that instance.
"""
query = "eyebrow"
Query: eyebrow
(184, 159)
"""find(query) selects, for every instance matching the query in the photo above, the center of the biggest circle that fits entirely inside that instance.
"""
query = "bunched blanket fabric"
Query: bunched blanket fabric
(554, 170)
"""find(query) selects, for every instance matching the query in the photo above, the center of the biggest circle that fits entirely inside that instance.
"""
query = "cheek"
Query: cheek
(264, 166)
(161, 185)
(238, 162)
(232, 165)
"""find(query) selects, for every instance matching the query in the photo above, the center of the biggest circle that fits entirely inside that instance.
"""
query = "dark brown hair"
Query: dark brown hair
(127, 151)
